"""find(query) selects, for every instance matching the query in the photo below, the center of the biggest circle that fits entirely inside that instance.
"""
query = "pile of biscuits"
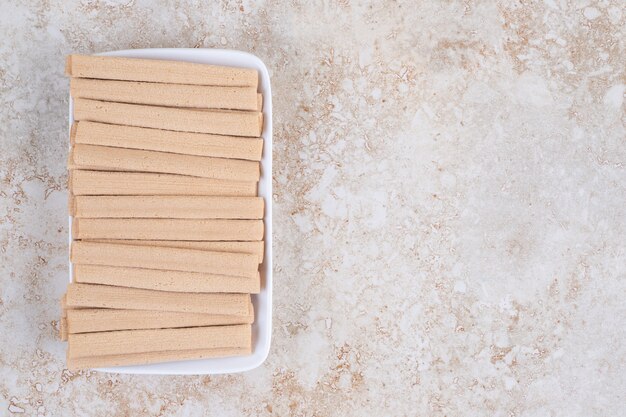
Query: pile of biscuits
(167, 226)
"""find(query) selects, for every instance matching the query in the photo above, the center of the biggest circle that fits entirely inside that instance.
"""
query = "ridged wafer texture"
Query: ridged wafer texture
(172, 207)
(256, 247)
(164, 280)
(107, 158)
(158, 340)
(104, 296)
(74, 364)
(167, 229)
(84, 182)
(220, 122)
(153, 70)
(155, 257)
(166, 94)
(90, 320)
(189, 143)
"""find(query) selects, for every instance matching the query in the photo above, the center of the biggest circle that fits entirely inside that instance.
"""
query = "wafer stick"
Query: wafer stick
(64, 306)
(104, 296)
(74, 364)
(163, 280)
(89, 320)
(93, 133)
(167, 229)
(175, 259)
(259, 102)
(137, 183)
(201, 207)
(166, 94)
(158, 340)
(120, 159)
(256, 247)
(152, 70)
(221, 122)
(63, 328)
(173, 207)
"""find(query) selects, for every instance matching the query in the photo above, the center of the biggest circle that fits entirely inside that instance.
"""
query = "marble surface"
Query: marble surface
(449, 219)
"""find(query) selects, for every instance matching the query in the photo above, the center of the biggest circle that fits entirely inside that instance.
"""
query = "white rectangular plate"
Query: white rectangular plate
(262, 327)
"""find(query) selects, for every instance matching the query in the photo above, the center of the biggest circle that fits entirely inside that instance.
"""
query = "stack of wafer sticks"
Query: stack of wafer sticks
(167, 228)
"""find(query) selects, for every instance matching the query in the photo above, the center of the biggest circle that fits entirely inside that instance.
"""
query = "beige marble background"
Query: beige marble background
(449, 224)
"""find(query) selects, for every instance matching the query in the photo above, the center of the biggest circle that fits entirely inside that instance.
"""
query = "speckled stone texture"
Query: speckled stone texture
(449, 208)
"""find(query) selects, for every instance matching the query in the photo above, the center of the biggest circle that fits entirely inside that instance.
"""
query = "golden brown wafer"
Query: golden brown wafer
(164, 280)
(107, 158)
(89, 320)
(166, 94)
(189, 143)
(158, 340)
(256, 247)
(175, 259)
(172, 207)
(220, 122)
(138, 183)
(146, 358)
(167, 229)
(104, 296)
(163, 71)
